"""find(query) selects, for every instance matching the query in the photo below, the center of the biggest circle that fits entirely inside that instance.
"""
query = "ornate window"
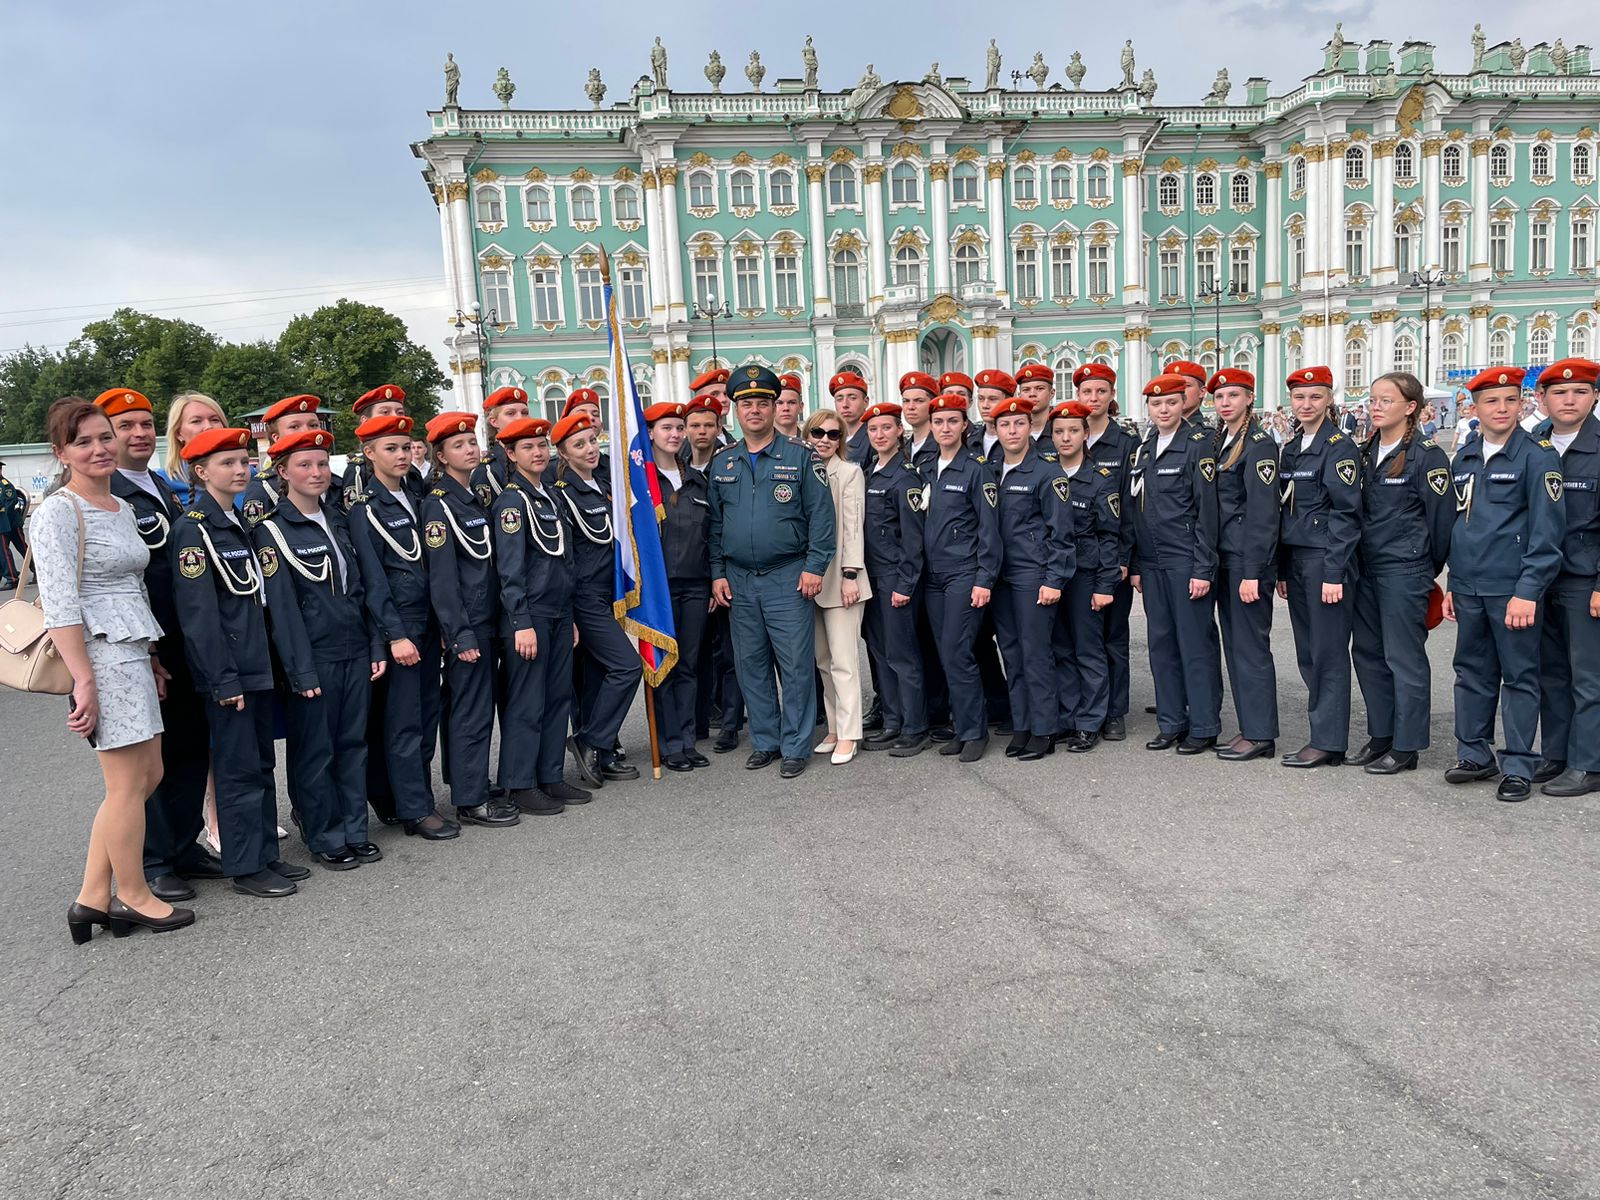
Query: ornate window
(968, 264)
(1450, 248)
(1025, 185)
(1405, 353)
(908, 266)
(1355, 364)
(1500, 241)
(1582, 243)
(1205, 268)
(780, 186)
(1169, 273)
(841, 186)
(1579, 342)
(1297, 174)
(1099, 182)
(1539, 162)
(625, 203)
(1499, 161)
(964, 184)
(1297, 259)
(583, 204)
(544, 287)
(1099, 270)
(1405, 162)
(1063, 370)
(1168, 192)
(1025, 276)
(1242, 360)
(497, 294)
(1451, 163)
(631, 294)
(846, 277)
(1405, 249)
(1239, 189)
(1541, 345)
(1295, 356)
(586, 285)
(747, 278)
(1060, 184)
(904, 184)
(1582, 162)
(1205, 191)
(554, 397)
(1355, 251)
(1355, 166)
(708, 290)
(742, 189)
(1241, 269)
(491, 207)
(702, 190)
(1500, 348)
(1063, 271)
(537, 205)
(786, 279)
(1451, 352)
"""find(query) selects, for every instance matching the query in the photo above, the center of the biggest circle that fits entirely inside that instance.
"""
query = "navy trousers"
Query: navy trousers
(1247, 647)
(773, 631)
(675, 698)
(411, 728)
(1115, 615)
(1185, 659)
(1390, 649)
(611, 670)
(991, 671)
(1495, 662)
(1082, 662)
(938, 695)
(469, 703)
(1024, 627)
(893, 647)
(328, 742)
(533, 737)
(1322, 648)
(247, 795)
(717, 688)
(955, 625)
(174, 812)
(1569, 669)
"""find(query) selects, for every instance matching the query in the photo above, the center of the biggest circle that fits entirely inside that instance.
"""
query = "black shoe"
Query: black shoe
(1466, 771)
(170, 888)
(536, 803)
(1513, 789)
(367, 852)
(342, 859)
(1115, 729)
(1392, 762)
(727, 741)
(791, 767)
(761, 758)
(432, 828)
(1082, 742)
(883, 740)
(951, 748)
(122, 919)
(1151, 709)
(972, 751)
(910, 746)
(1037, 748)
(677, 762)
(1543, 773)
(1017, 744)
(293, 872)
(874, 720)
(1196, 745)
(588, 763)
(942, 734)
(565, 792)
(614, 766)
(493, 815)
(1243, 750)
(264, 883)
(696, 759)
(1309, 756)
(1371, 752)
(200, 863)
(1166, 741)
(81, 920)
(1568, 783)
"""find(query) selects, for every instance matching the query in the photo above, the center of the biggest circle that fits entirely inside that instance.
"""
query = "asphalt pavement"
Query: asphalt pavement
(1121, 974)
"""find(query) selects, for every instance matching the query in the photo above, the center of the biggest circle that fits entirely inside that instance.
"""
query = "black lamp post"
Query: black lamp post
(1427, 281)
(710, 310)
(1214, 290)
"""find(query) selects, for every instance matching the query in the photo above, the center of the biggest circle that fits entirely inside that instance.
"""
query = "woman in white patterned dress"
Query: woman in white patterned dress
(104, 631)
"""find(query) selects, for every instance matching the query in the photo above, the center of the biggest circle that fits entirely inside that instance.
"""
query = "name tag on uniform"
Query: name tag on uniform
(233, 553)
(1169, 470)
(400, 523)
(725, 479)
(1578, 485)
(954, 487)
(1018, 487)
(1387, 482)
(786, 472)
(1504, 476)
(310, 549)
(877, 491)
(1299, 475)
(149, 522)
(1080, 504)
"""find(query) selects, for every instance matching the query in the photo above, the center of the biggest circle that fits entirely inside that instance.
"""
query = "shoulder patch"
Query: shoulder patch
(1114, 503)
(561, 483)
(1428, 443)
(510, 520)
(1258, 436)
(1439, 480)
(979, 458)
(1062, 489)
(1345, 469)
(434, 533)
(254, 510)
(352, 496)
(1553, 486)
(917, 498)
(1267, 471)
(485, 494)
(269, 561)
(820, 471)
(1105, 472)
(194, 514)
(1208, 469)
(191, 562)
(1199, 435)
(991, 493)
(436, 492)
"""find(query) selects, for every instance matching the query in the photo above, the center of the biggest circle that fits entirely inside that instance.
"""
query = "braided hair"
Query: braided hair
(1411, 391)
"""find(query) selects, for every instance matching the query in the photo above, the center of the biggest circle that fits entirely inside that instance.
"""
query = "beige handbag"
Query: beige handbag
(29, 661)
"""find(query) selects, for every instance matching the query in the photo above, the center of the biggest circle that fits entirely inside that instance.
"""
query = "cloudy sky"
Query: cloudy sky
(234, 164)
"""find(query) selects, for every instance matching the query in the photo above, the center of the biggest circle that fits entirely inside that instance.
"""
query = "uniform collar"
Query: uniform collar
(286, 510)
(201, 501)
(450, 487)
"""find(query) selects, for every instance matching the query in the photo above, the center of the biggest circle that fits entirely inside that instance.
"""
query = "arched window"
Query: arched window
(1060, 184)
(1025, 277)
(742, 189)
(1405, 243)
(1540, 159)
(583, 205)
(1355, 247)
(1355, 364)
(1168, 192)
(1241, 360)
(1025, 184)
(1499, 161)
(1295, 357)
(747, 278)
(780, 184)
(1582, 161)
(904, 184)
(1405, 161)
(1355, 166)
(1451, 351)
(908, 266)
(702, 190)
(536, 204)
(1540, 344)
(625, 203)
(553, 397)
(1063, 370)
(841, 185)
(1099, 182)
(1205, 191)
(964, 184)
(846, 277)
(1239, 187)
(491, 209)
(968, 265)
(1579, 342)
(1500, 348)
(1297, 175)
(1405, 353)
(642, 386)
(1451, 162)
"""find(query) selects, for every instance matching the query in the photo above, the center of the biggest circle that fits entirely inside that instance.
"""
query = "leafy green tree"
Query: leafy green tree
(153, 355)
(242, 378)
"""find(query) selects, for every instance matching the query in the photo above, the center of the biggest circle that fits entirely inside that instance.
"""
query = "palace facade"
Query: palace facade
(1377, 216)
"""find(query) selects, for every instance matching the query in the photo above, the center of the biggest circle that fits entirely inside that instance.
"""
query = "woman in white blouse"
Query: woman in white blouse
(103, 629)
(844, 587)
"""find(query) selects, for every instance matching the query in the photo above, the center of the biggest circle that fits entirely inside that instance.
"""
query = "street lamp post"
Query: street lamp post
(710, 310)
(1214, 289)
(1427, 281)
(474, 319)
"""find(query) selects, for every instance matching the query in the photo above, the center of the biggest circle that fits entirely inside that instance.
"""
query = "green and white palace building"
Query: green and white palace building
(1377, 216)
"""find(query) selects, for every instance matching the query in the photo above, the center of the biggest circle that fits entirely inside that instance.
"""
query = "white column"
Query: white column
(877, 270)
(1383, 266)
(826, 360)
(1430, 200)
(661, 375)
(467, 286)
(1131, 375)
(1272, 237)
(657, 251)
(1316, 222)
(1383, 346)
(939, 198)
(680, 374)
(1334, 175)
(1478, 351)
(1132, 223)
(452, 278)
(1478, 267)
(674, 248)
(821, 304)
(1333, 353)
(999, 246)
(1270, 377)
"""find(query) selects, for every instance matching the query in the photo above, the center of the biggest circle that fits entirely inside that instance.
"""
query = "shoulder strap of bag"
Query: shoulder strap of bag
(27, 559)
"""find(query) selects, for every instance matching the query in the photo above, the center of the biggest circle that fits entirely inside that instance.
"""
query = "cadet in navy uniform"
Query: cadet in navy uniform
(1569, 653)
(685, 521)
(1407, 511)
(292, 414)
(465, 593)
(1319, 473)
(1038, 555)
(1172, 498)
(538, 576)
(772, 537)
(329, 653)
(892, 539)
(1078, 636)
(500, 407)
(1505, 552)
(219, 599)
(1247, 544)
(173, 811)
(849, 393)
(385, 400)
(386, 527)
(1111, 446)
(611, 671)
(961, 555)
(1194, 390)
(917, 391)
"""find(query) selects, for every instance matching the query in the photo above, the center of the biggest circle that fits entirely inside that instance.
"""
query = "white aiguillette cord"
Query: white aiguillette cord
(293, 559)
(250, 585)
(412, 555)
(604, 537)
(480, 549)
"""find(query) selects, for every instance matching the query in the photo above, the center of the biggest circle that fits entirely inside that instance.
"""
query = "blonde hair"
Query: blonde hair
(176, 467)
(816, 420)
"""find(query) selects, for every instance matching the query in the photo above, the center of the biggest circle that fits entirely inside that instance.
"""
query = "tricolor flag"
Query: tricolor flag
(641, 599)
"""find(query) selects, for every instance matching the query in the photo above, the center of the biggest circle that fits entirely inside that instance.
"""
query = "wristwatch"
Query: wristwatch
(850, 573)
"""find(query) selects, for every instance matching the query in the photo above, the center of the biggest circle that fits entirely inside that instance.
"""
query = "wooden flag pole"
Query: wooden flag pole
(655, 740)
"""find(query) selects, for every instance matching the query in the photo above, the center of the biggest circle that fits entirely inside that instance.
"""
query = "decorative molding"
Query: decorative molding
(1338, 317)
(660, 357)
(582, 175)
(781, 159)
(680, 354)
(1313, 154)
(700, 159)
(872, 173)
(816, 172)
(996, 169)
(1101, 154)
(669, 175)
(742, 159)
(842, 155)
(1272, 170)
(1271, 328)
(456, 190)
(896, 337)
(986, 331)
(939, 170)
(1313, 320)
(485, 175)
(1132, 166)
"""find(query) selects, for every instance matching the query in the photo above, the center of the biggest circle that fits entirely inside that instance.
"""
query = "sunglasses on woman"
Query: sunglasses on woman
(833, 435)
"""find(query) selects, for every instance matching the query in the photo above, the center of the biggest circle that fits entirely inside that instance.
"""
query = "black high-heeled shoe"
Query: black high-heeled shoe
(81, 920)
(123, 919)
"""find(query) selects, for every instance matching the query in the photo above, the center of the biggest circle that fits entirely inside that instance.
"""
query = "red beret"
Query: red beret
(1231, 377)
(949, 402)
(1072, 408)
(707, 378)
(1568, 370)
(1094, 370)
(306, 439)
(120, 400)
(378, 427)
(1182, 366)
(790, 383)
(1314, 376)
(665, 409)
(1165, 385)
(1015, 404)
(505, 395)
(846, 379)
(448, 424)
(523, 427)
(710, 404)
(1496, 377)
(917, 379)
(384, 391)
(997, 381)
(952, 379)
(212, 440)
(580, 396)
(290, 404)
(883, 409)
(1036, 373)
(570, 424)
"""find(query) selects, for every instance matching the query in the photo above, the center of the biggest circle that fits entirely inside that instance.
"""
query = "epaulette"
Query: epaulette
(1049, 456)
(358, 499)
(561, 483)
(979, 458)
(1547, 443)
(1258, 436)
(1335, 437)
(1199, 435)
(1105, 472)
(1428, 443)
(194, 514)
(437, 492)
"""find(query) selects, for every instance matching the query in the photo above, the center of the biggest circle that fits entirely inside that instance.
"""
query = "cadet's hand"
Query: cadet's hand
(1594, 604)
(1138, 583)
(809, 585)
(1332, 593)
(468, 655)
(527, 643)
(849, 591)
(711, 604)
(1448, 608)
(721, 593)
(1249, 591)
(1520, 613)
(1124, 572)
(378, 668)
(980, 597)
(1198, 588)
(312, 693)
(1283, 589)
(234, 702)
(162, 676)
(1098, 601)
(1048, 595)
(574, 637)
(899, 599)
(405, 652)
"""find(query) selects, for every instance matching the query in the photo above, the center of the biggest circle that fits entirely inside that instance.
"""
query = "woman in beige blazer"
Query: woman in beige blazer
(840, 604)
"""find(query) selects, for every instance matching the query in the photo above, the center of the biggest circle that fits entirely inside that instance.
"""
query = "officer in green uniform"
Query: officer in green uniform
(772, 537)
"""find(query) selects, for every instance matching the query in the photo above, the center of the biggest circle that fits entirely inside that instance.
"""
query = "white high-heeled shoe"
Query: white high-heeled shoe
(839, 759)
(826, 745)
